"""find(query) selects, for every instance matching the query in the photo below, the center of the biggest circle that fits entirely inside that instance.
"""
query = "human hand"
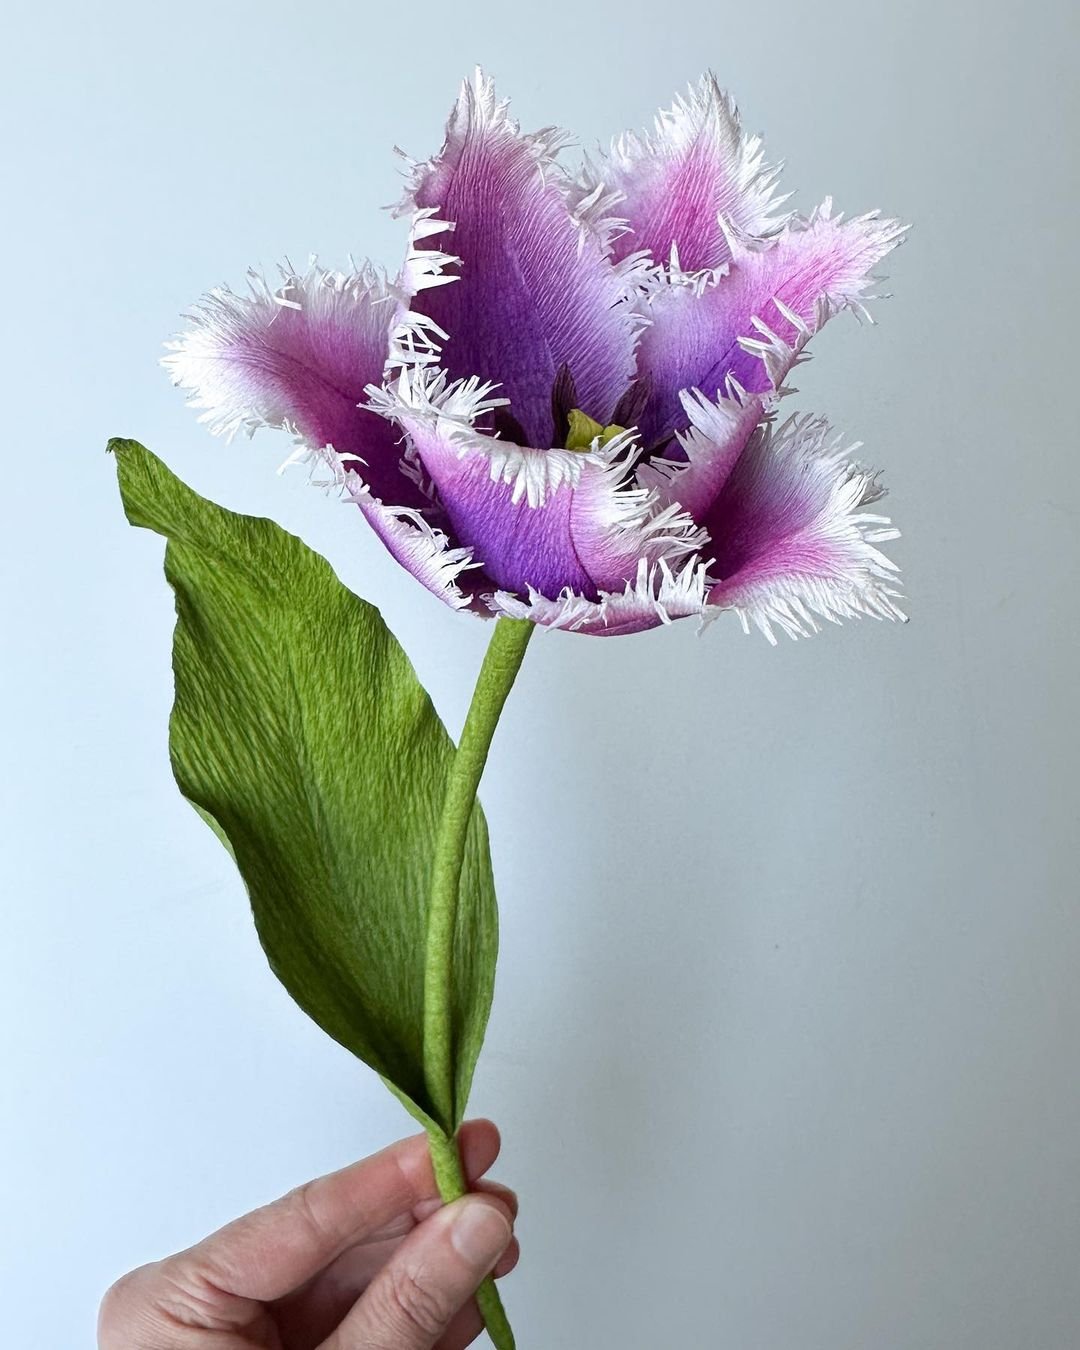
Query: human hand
(367, 1258)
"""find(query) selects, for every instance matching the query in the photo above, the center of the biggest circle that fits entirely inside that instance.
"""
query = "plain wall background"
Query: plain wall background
(784, 1045)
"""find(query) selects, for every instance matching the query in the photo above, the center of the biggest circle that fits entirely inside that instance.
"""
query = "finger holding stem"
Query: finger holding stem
(450, 1178)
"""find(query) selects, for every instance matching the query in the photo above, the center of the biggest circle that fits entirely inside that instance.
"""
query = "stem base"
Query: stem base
(450, 1178)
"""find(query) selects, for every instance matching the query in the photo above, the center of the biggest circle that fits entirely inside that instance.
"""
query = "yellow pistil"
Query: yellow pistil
(584, 430)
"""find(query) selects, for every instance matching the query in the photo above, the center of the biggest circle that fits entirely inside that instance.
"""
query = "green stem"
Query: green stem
(450, 1176)
(501, 664)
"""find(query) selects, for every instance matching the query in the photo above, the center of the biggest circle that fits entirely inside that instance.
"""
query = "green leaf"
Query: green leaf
(302, 735)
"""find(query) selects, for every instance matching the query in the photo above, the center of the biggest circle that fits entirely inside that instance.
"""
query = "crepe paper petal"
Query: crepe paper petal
(656, 595)
(298, 357)
(421, 548)
(545, 519)
(749, 322)
(537, 289)
(706, 452)
(696, 170)
(790, 541)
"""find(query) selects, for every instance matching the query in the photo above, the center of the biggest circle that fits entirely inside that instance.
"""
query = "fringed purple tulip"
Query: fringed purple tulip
(573, 423)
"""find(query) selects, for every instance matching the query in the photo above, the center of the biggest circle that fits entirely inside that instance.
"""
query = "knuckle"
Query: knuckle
(302, 1204)
(123, 1305)
(164, 1298)
(186, 1290)
(421, 1305)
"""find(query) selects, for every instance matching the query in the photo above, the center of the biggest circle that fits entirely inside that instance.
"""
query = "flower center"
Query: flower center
(583, 431)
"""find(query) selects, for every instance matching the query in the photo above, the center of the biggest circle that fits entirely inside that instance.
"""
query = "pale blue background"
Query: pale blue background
(785, 1039)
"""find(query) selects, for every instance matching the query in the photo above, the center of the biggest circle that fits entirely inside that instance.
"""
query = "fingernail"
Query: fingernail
(480, 1232)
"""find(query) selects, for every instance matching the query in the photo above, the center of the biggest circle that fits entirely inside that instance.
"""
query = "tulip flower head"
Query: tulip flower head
(563, 407)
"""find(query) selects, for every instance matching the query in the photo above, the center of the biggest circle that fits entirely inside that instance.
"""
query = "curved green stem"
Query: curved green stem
(501, 664)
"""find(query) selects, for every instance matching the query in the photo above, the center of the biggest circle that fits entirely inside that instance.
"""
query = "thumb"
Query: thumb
(429, 1279)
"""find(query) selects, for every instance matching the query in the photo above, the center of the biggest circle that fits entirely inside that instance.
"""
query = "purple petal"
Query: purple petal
(749, 324)
(422, 549)
(656, 595)
(708, 450)
(789, 542)
(537, 289)
(696, 168)
(541, 520)
(300, 358)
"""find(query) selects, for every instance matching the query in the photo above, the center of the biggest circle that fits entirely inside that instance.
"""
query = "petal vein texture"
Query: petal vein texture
(563, 406)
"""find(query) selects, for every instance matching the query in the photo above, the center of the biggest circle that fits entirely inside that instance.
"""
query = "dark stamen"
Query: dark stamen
(633, 403)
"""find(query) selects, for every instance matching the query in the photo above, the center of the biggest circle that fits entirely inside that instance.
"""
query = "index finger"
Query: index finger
(273, 1250)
